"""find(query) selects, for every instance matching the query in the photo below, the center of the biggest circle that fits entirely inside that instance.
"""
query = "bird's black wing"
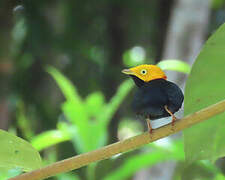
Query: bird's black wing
(175, 96)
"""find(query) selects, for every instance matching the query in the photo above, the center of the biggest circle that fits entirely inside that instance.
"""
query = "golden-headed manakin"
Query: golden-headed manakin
(156, 97)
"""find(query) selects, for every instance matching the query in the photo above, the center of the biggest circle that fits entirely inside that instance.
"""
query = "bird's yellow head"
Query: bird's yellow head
(146, 72)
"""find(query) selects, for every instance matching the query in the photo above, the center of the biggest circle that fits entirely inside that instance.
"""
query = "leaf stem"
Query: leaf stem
(122, 146)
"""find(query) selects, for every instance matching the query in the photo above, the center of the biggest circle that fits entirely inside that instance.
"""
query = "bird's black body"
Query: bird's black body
(152, 97)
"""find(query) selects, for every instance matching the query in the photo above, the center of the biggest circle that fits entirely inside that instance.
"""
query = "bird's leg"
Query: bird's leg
(149, 125)
(171, 114)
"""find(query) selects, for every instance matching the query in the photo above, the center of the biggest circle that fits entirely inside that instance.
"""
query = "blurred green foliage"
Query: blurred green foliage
(88, 121)
(216, 4)
(91, 116)
(90, 43)
(175, 65)
(134, 56)
(86, 127)
(159, 153)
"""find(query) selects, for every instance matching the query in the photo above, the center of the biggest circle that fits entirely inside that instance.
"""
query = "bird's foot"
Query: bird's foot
(150, 131)
(172, 115)
(173, 121)
(149, 126)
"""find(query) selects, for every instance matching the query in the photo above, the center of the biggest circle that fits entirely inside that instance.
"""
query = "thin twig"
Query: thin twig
(122, 146)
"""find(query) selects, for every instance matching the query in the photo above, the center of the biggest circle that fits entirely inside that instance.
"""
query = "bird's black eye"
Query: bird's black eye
(143, 71)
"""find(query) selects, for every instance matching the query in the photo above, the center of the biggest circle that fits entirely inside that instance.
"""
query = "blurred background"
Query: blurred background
(61, 86)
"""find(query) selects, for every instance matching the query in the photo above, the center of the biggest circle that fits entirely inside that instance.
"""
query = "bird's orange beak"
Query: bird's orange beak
(128, 72)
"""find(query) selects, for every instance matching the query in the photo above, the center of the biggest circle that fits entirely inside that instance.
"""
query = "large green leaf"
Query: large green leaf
(206, 86)
(17, 153)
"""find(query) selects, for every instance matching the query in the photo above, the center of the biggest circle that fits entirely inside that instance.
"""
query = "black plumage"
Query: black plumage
(152, 97)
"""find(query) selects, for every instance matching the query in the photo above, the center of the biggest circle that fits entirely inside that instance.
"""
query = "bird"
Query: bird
(156, 97)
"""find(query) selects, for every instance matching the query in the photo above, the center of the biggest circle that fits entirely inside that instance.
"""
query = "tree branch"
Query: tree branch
(121, 146)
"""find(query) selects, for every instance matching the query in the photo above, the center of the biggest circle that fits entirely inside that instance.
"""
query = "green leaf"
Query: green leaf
(94, 103)
(49, 138)
(87, 116)
(74, 109)
(175, 65)
(17, 153)
(67, 88)
(75, 115)
(205, 86)
(23, 122)
(219, 176)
